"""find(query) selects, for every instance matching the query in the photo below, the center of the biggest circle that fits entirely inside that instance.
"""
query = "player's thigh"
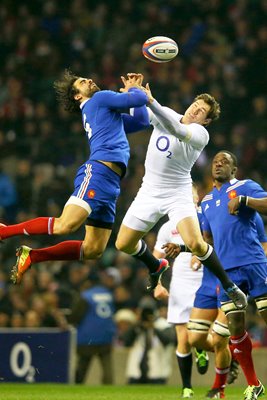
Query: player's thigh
(128, 238)
(95, 241)
(221, 317)
(72, 217)
(204, 314)
(220, 331)
(190, 231)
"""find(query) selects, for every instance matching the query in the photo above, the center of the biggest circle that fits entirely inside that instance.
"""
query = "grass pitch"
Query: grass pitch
(16, 391)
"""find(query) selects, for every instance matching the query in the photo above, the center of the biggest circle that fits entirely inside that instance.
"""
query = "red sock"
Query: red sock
(37, 226)
(69, 250)
(242, 349)
(231, 347)
(220, 378)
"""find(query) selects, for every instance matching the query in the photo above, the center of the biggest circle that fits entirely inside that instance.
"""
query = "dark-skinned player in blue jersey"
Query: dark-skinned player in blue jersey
(229, 222)
(228, 213)
(97, 183)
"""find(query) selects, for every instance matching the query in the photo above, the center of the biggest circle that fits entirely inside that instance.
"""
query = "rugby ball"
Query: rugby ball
(160, 49)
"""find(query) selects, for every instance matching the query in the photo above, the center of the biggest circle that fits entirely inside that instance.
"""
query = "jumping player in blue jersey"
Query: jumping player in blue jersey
(229, 220)
(97, 183)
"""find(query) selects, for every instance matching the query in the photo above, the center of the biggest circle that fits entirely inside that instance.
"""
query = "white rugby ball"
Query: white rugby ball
(160, 49)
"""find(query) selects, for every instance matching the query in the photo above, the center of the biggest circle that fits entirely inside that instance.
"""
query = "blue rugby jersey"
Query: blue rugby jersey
(97, 325)
(260, 228)
(103, 123)
(235, 237)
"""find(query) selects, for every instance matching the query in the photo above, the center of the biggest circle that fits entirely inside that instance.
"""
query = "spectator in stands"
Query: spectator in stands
(92, 314)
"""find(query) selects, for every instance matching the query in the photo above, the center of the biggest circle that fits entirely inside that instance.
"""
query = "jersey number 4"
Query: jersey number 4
(87, 127)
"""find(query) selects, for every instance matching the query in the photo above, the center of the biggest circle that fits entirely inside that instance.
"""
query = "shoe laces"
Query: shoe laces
(187, 392)
(249, 392)
(202, 358)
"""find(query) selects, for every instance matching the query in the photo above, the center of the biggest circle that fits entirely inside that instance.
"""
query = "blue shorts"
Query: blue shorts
(99, 187)
(251, 278)
(206, 295)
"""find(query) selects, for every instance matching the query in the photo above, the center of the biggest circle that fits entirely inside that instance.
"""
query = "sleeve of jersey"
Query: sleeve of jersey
(260, 228)
(253, 189)
(137, 120)
(194, 134)
(200, 217)
(133, 98)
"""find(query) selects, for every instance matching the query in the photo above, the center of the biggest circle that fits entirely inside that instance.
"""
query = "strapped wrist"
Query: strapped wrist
(243, 200)
(184, 248)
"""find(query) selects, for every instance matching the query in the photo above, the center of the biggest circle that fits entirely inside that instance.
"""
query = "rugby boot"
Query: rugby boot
(155, 277)
(22, 265)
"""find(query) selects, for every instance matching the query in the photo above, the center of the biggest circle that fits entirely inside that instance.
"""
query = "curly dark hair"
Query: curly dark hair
(215, 108)
(65, 91)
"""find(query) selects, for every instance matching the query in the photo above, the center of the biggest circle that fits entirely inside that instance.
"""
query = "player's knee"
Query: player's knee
(221, 330)
(197, 246)
(220, 342)
(198, 331)
(193, 339)
(124, 246)
(261, 303)
(92, 252)
(196, 339)
(119, 244)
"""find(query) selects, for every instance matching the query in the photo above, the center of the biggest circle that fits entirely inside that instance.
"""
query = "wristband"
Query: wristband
(184, 248)
(243, 200)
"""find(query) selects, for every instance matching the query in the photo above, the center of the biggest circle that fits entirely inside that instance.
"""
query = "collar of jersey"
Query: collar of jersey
(227, 184)
(83, 103)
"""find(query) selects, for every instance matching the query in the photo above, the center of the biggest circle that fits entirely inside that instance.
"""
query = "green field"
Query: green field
(81, 392)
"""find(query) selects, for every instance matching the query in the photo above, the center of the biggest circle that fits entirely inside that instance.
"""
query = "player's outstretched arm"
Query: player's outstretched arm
(194, 134)
(259, 205)
(138, 120)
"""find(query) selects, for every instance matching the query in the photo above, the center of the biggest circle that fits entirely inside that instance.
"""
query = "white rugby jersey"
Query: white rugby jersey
(172, 151)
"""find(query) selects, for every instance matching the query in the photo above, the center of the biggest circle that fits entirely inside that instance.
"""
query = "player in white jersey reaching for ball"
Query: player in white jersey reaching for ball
(184, 283)
(176, 142)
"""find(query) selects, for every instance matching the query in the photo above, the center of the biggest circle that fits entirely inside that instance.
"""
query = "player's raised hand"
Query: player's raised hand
(172, 250)
(147, 90)
(233, 206)
(132, 80)
(138, 77)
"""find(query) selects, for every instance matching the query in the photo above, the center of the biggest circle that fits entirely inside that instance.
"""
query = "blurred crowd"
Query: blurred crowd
(222, 50)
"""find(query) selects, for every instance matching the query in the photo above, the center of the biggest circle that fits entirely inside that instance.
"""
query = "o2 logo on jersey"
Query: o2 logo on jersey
(87, 127)
(232, 194)
(162, 144)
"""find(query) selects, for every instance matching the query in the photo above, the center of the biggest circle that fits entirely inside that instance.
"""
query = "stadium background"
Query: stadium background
(223, 51)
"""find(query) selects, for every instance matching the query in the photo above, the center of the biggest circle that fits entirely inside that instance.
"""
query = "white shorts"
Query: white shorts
(146, 209)
(182, 294)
